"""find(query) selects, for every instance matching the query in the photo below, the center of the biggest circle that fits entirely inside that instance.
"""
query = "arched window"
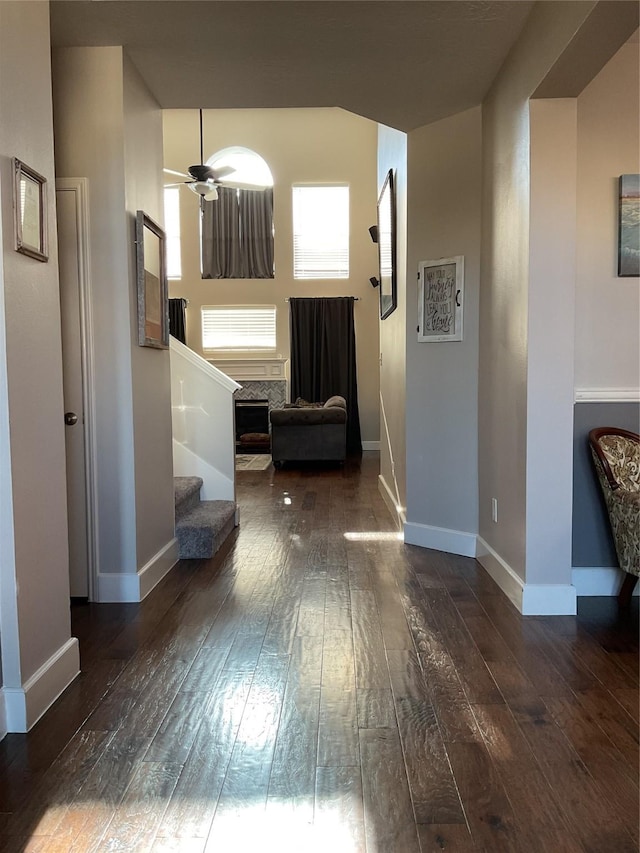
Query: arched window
(237, 228)
(250, 168)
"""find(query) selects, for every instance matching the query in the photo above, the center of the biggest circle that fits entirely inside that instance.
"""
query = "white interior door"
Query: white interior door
(71, 241)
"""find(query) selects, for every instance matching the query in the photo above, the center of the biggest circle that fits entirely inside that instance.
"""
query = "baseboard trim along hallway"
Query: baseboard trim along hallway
(25, 705)
(440, 539)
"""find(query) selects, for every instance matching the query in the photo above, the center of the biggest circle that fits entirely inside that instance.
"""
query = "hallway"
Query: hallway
(319, 686)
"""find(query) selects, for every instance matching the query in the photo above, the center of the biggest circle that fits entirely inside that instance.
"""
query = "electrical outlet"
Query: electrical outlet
(494, 509)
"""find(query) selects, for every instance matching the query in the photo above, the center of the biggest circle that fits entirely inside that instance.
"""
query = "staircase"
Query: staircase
(201, 526)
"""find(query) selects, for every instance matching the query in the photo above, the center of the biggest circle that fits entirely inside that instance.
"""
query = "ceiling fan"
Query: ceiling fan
(205, 180)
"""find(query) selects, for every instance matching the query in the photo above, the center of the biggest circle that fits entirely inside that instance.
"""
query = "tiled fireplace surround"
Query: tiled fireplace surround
(261, 379)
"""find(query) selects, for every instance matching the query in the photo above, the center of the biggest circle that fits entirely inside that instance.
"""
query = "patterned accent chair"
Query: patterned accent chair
(616, 456)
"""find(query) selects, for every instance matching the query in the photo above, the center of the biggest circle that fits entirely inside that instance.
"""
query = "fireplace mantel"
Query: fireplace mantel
(254, 369)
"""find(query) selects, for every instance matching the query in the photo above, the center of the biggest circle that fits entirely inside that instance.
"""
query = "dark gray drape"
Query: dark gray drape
(256, 230)
(323, 356)
(221, 252)
(237, 234)
(178, 319)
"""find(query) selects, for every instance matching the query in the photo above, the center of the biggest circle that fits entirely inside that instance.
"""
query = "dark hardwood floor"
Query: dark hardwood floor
(319, 686)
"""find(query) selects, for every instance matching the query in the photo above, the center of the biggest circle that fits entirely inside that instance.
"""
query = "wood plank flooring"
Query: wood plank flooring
(319, 686)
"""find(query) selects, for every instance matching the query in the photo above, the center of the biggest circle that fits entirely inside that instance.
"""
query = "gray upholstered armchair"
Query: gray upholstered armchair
(305, 433)
(616, 456)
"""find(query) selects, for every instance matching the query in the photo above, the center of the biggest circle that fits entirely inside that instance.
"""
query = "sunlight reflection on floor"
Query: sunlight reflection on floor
(280, 829)
(374, 535)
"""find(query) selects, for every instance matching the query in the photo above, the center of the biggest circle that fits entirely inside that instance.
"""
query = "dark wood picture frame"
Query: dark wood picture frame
(151, 276)
(387, 246)
(30, 212)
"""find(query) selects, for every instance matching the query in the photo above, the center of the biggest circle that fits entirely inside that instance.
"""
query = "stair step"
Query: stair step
(187, 493)
(203, 528)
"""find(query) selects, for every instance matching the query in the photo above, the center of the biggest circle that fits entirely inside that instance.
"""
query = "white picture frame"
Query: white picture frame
(441, 300)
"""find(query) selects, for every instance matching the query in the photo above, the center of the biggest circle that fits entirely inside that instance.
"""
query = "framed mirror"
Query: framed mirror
(153, 295)
(30, 211)
(387, 246)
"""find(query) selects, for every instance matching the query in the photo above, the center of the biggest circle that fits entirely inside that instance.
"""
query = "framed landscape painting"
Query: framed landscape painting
(629, 226)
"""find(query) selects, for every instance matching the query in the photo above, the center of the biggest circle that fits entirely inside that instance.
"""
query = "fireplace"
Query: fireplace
(252, 418)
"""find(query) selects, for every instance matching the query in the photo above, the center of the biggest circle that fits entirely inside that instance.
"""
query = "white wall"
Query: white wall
(444, 199)
(504, 429)
(34, 583)
(607, 307)
(392, 154)
(311, 145)
(89, 140)
(108, 129)
(150, 368)
(550, 337)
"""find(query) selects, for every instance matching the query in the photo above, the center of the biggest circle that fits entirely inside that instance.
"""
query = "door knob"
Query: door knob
(70, 418)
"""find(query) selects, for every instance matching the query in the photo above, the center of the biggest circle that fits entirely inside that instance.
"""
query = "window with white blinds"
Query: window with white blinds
(320, 232)
(172, 231)
(239, 327)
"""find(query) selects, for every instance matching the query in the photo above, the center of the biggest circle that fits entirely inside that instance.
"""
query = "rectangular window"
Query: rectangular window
(239, 327)
(320, 232)
(172, 231)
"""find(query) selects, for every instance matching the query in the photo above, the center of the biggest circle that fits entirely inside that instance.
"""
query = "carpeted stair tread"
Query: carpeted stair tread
(187, 493)
(204, 527)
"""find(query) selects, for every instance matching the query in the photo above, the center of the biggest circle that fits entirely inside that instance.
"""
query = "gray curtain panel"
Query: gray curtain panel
(323, 355)
(256, 228)
(237, 234)
(221, 246)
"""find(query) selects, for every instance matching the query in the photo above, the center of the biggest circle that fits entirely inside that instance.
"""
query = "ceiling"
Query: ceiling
(404, 64)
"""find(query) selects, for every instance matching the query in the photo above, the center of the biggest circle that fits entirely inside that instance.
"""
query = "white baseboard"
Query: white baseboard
(158, 566)
(541, 599)
(607, 395)
(118, 587)
(24, 706)
(3, 715)
(529, 599)
(391, 501)
(596, 580)
(440, 539)
(127, 587)
(371, 445)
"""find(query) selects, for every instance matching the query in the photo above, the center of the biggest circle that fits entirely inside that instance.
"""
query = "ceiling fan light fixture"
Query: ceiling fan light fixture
(204, 189)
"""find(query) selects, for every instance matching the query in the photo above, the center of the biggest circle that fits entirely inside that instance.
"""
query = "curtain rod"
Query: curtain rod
(355, 298)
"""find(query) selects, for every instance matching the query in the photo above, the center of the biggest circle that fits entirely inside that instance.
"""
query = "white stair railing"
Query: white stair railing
(202, 406)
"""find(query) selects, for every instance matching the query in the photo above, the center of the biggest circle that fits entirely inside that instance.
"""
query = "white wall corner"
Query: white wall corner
(440, 539)
(391, 502)
(158, 566)
(529, 599)
(371, 445)
(24, 706)
(598, 580)
(127, 587)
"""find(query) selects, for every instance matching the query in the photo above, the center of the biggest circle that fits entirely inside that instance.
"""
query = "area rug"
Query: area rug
(253, 461)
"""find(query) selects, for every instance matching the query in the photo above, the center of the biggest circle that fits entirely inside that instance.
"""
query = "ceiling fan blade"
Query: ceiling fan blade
(178, 184)
(173, 172)
(202, 172)
(222, 172)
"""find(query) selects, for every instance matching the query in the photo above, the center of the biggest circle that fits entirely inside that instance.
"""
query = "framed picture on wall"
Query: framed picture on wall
(386, 238)
(629, 226)
(440, 299)
(30, 211)
(153, 295)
